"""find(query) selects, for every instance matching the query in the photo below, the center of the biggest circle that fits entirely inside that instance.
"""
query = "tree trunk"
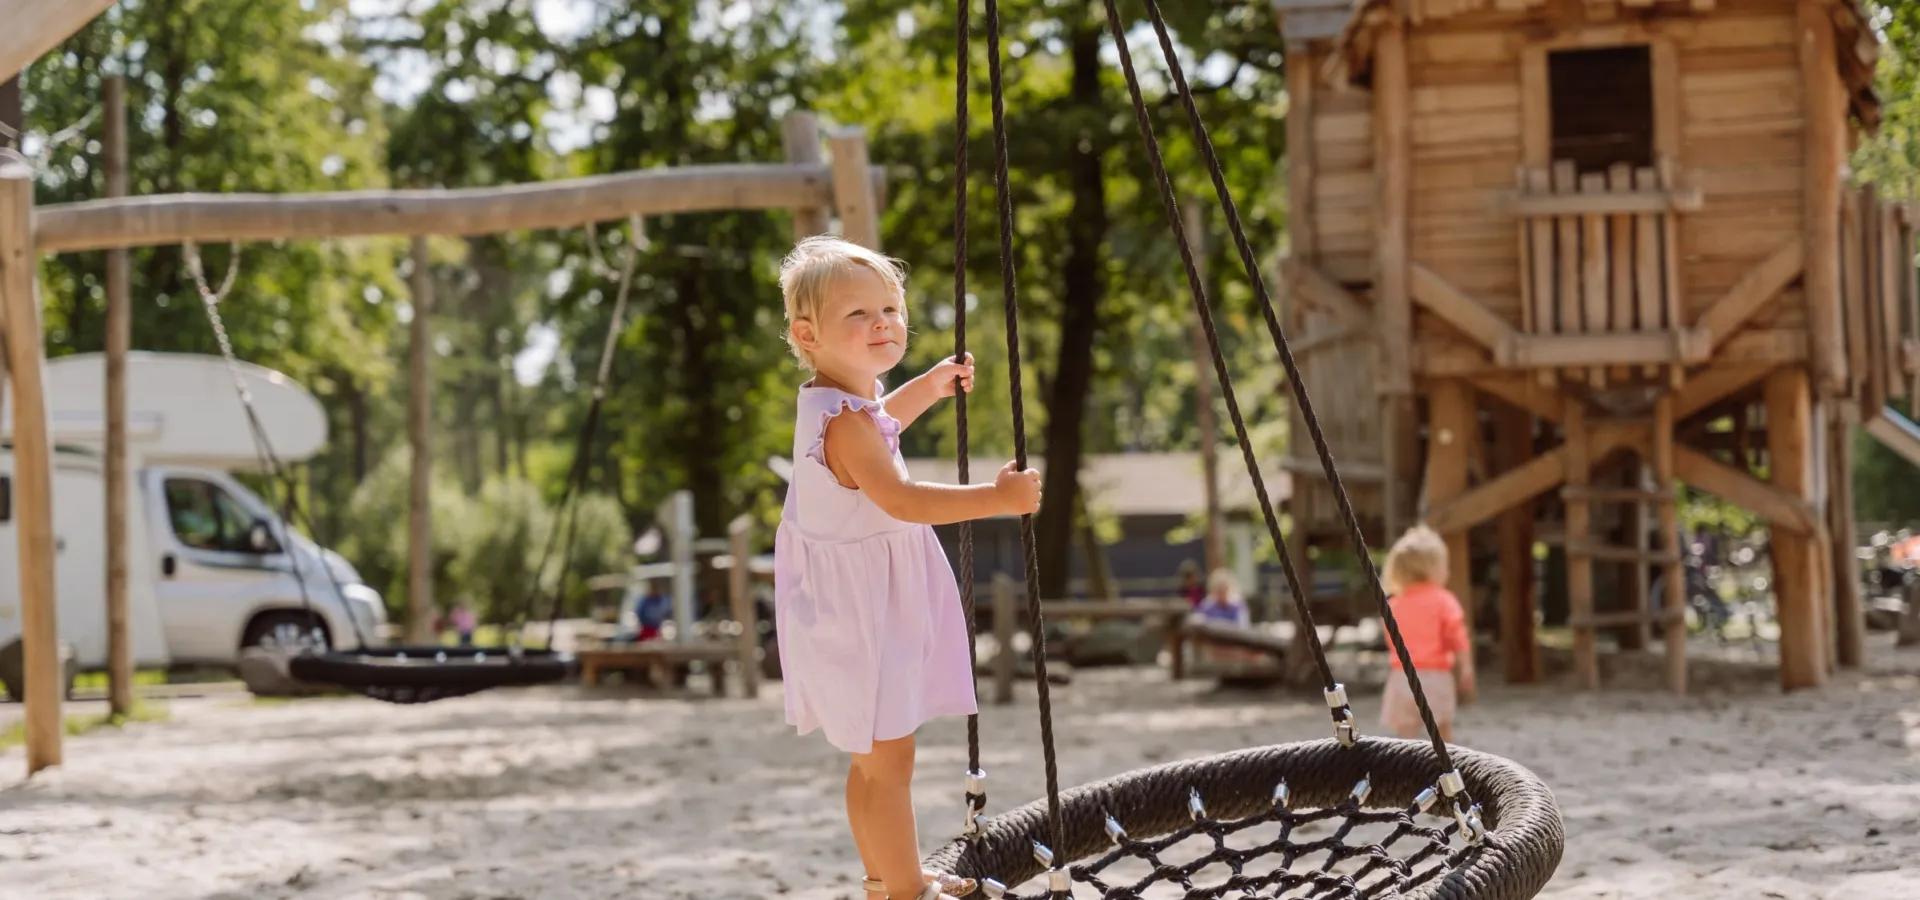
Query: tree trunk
(467, 450)
(357, 410)
(1084, 289)
(502, 452)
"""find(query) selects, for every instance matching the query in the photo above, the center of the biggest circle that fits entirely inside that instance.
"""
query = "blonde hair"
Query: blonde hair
(1418, 557)
(815, 266)
(1223, 578)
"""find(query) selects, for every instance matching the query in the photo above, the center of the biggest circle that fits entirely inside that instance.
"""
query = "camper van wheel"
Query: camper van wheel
(13, 670)
(286, 629)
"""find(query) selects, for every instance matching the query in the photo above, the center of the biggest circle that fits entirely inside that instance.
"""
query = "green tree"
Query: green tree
(1099, 278)
(225, 97)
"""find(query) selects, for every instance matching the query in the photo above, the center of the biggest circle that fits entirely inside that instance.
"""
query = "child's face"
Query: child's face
(862, 328)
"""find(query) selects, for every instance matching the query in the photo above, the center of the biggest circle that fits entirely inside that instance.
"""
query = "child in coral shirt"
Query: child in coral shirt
(1435, 630)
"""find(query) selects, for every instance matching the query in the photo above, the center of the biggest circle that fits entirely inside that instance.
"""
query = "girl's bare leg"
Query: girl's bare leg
(892, 846)
(857, 820)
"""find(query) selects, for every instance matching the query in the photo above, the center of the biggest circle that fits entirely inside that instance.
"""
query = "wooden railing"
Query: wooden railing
(1880, 300)
(1600, 283)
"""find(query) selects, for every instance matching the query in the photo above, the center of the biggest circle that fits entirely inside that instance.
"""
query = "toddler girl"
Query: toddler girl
(872, 638)
(1435, 630)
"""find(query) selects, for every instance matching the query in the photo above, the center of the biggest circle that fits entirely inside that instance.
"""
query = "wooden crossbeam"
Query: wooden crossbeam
(1491, 498)
(1523, 392)
(1322, 337)
(1752, 291)
(1607, 348)
(1530, 205)
(1709, 386)
(1769, 347)
(1537, 476)
(1780, 508)
(1462, 311)
(34, 27)
(206, 218)
(1315, 287)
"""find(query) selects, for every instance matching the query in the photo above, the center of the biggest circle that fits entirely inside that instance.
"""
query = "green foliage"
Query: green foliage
(486, 547)
(896, 78)
(281, 97)
(1886, 487)
(374, 532)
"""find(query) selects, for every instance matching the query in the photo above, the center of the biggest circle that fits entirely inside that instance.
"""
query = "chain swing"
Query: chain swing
(404, 674)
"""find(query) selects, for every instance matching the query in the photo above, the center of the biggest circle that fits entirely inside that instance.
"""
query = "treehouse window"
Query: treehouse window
(1602, 107)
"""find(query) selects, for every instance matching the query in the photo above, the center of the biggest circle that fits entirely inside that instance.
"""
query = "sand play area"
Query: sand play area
(551, 794)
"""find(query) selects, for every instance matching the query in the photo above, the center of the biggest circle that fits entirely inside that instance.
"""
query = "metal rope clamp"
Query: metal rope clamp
(1471, 826)
(1343, 727)
(976, 825)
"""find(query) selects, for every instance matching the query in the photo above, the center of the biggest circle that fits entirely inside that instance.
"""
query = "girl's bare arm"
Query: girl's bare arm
(857, 454)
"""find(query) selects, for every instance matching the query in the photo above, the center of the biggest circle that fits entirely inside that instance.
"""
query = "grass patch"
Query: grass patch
(98, 680)
(143, 711)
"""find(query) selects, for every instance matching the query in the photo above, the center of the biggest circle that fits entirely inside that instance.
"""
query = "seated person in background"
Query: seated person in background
(1224, 605)
(653, 610)
(1223, 602)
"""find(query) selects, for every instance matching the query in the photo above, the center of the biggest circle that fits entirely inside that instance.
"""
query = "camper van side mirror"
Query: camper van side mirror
(259, 537)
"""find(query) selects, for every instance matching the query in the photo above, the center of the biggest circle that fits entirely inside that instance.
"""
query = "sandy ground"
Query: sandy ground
(1733, 792)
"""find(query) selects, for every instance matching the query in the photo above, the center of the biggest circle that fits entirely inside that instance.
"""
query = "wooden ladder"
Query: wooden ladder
(1582, 549)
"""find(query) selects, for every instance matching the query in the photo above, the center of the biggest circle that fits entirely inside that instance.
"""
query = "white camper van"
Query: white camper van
(211, 567)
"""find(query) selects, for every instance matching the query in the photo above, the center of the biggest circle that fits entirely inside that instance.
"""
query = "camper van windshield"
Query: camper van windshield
(205, 517)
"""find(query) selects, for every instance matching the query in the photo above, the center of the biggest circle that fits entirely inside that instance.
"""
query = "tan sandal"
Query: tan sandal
(942, 884)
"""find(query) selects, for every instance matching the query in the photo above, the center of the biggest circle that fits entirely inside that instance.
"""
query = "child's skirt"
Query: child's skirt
(1400, 713)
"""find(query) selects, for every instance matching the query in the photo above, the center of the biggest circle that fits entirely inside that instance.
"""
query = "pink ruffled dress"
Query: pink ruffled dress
(872, 639)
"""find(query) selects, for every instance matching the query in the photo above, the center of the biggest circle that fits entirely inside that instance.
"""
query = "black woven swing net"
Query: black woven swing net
(1345, 817)
(1309, 820)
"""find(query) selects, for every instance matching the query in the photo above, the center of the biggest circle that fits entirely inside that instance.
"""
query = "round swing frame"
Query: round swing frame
(1242, 791)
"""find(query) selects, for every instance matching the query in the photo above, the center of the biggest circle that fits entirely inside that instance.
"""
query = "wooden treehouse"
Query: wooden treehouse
(1549, 257)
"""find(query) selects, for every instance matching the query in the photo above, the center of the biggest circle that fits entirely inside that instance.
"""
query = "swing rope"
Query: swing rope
(270, 464)
(563, 533)
(1451, 784)
(1009, 288)
(976, 796)
(1265, 302)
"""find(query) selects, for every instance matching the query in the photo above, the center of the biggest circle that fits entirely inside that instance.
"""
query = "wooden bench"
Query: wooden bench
(1009, 613)
(1267, 653)
(743, 645)
(644, 656)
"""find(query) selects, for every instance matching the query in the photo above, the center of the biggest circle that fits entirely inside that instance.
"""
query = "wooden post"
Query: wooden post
(1586, 659)
(419, 423)
(1789, 427)
(1451, 413)
(1005, 622)
(1674, 582)
(1399, 461)
(853, 194)
(1299, 668)
(1849, 618)
(1513, 443)
(739, 581)
(32, 469)
(1826, 156)
(1203, 412)
(119, 328)
(1393, 150)
(1637, 635)
(1302, 233)
(800, 132)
